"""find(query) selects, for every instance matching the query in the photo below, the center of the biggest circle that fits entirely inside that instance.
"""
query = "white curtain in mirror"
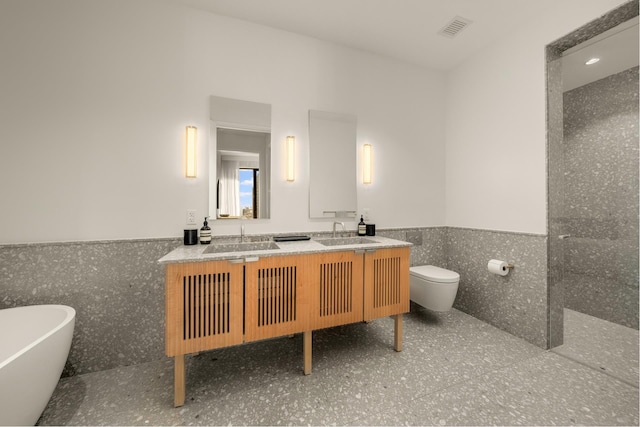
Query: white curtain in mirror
(230, 188)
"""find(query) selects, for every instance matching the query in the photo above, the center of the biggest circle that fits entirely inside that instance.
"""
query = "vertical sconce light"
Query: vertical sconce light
(192, 136)
(291, 151)
(367, 164)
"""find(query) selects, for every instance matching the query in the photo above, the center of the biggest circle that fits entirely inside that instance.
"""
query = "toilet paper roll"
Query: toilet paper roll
(496, 266)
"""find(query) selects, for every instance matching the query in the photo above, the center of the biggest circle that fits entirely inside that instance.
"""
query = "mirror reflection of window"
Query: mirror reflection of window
(250, 192)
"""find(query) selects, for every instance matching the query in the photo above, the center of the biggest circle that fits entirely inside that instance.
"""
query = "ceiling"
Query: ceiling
(401, 29)
(406, 30)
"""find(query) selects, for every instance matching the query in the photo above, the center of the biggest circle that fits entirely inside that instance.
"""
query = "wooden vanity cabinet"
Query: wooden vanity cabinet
(215, 304)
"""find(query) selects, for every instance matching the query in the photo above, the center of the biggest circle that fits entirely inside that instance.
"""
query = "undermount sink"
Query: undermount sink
(341, 241)
(240, 247)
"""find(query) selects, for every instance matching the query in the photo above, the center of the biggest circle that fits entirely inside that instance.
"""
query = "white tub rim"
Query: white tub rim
(70, 314)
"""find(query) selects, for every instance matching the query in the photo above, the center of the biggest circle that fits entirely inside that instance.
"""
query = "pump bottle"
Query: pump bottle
(205, 233)
(362, 227)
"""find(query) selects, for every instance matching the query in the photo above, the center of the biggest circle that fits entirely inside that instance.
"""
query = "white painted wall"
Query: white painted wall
(496, 125)
(95, 96)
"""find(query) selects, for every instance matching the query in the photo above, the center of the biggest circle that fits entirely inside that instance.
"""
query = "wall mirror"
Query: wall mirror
(239, 159)
(332, 165)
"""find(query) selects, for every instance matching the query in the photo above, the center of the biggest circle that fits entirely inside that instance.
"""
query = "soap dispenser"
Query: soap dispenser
(205, 233)
(362, 227)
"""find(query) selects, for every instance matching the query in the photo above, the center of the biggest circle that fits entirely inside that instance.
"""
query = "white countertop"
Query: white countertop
(195, 253)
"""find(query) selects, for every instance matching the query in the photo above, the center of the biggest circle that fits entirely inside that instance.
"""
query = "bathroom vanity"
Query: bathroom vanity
(227, 294)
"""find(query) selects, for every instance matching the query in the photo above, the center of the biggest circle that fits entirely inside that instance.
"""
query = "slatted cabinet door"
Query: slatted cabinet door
(336, 293)
(276, 297)
(204, 306)
(386, 282)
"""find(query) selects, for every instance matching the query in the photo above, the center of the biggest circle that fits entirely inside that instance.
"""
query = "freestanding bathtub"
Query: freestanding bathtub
(34, 345)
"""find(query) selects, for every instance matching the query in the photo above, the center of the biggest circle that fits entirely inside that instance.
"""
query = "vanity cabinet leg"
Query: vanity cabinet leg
(398, 332)
(179, 381)
(306, 338)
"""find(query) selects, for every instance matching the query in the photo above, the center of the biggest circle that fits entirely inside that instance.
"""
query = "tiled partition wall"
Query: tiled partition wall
(555, 195)
(117, 288)
(517, 302)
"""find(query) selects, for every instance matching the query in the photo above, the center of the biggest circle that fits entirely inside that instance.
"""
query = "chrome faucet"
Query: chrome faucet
(334, 227)
(242, 233)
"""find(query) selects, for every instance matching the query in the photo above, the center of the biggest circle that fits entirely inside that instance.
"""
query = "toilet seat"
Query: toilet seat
(434, 274)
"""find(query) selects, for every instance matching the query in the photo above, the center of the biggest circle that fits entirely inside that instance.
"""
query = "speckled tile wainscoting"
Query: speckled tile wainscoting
(600, 212)
(453, 370)
(429, 244)
(116, 288)
(516, 303)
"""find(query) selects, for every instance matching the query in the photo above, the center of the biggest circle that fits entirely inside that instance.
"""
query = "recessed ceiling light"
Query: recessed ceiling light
(592, 61)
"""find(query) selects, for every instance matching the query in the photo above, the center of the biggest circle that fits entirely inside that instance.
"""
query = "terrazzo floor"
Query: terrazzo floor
(454, 370)
(605, 346)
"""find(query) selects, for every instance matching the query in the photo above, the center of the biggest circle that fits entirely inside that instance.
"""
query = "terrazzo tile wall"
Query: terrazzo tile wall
(517, 302)
(429, 244)
(117, 287)
(601, 198)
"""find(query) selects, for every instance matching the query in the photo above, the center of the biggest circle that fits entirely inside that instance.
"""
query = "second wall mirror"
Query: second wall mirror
(332, 165)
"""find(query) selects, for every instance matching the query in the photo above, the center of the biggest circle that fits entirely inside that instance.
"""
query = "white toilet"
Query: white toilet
(433, 287)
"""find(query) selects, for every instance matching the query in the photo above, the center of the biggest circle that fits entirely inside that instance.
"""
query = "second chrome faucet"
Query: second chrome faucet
(334, 227)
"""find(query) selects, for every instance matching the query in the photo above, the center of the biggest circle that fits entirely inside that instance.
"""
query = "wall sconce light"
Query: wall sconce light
(367, 164)
(291, 151)
(192, 136)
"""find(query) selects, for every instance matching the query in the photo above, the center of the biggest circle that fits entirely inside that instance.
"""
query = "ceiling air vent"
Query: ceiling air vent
(454, 27)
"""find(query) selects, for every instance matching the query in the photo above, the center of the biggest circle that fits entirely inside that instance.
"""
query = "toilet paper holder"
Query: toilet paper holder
(499, 267)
